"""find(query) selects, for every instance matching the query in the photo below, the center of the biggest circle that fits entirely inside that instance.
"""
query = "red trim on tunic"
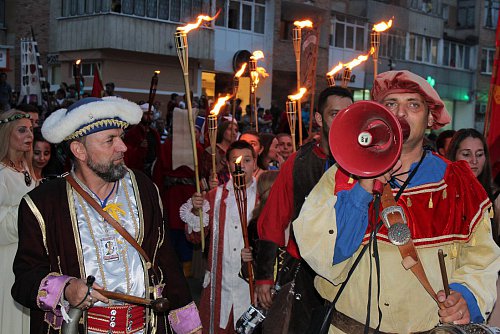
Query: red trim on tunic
(454, 217)
(205, 294)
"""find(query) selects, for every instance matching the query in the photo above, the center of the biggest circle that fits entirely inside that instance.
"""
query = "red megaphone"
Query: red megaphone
(366, 139)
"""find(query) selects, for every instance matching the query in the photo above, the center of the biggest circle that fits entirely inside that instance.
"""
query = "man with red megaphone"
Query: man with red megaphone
(427, 203)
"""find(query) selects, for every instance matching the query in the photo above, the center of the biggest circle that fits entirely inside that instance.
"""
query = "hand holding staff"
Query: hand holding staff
(240, 192)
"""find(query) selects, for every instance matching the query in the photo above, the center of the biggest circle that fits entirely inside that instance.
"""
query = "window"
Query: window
(423, 49)
(425, 6)
(171, 10)
(466, 9)
(220, 21)
(2, 13)
(393, 44)
(87, 69)
(242, 15)
(152, 8)
(456, 55)
(487, 58)
(347, 33)
(491, 13)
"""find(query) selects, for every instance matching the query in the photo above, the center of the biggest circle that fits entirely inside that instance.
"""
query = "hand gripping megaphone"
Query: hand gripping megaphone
(366, 139)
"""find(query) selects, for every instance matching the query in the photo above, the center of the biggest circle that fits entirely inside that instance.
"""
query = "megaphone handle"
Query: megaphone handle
(378, 187)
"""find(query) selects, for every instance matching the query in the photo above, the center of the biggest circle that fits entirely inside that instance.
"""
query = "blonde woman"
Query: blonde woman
(16, 179)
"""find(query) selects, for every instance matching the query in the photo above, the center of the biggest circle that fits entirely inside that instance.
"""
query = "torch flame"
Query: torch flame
(257, 55)
(255, 79)
(221, 101)
(382, 26)
(78, 61)
(238, 159)
(335, 69)
(303, 24)
(299, 95)
(188, 27)
(355, 62)
(157, 71)
(241, 71)
(262, 72)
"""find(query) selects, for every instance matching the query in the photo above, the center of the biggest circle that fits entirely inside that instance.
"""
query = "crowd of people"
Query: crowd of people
(99, 197)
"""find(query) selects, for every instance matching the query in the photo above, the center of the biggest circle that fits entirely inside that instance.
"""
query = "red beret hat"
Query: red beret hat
(406, 82)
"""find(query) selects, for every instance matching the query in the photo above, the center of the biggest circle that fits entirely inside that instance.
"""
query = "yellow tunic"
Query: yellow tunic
(405, 305)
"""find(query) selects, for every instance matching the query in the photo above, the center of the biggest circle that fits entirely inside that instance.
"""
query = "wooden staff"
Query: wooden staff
(182, 51)
(236, 85)
(291, 115)
(152, 94)
(444, 275)
(297, 44)
(254, 77)
(159, 305)
(77, 76)
(240, 192)
(212, 134)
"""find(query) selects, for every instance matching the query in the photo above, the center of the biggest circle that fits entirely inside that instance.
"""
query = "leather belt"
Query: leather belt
(116, 319)
(351, 326)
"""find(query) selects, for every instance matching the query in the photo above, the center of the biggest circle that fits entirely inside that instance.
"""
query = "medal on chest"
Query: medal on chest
(109, 249)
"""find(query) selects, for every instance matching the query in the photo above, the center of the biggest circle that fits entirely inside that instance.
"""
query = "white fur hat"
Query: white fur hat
(90, 115)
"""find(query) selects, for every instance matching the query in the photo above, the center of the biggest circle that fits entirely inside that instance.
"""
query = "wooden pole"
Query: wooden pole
(182, 51)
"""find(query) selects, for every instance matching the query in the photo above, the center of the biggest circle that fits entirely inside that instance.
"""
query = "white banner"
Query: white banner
(30, 79)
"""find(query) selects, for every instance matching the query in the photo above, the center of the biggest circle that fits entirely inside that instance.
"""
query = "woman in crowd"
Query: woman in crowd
(286, 145)
(16, 179)
(45, 164)
(226, 134)
(270, 157)
(470, 145)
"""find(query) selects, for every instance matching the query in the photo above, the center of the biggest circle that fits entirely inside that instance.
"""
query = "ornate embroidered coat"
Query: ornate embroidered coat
(48, 234)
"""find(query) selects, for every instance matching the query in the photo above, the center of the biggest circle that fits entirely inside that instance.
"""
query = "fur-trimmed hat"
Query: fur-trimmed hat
(90, 115)
(407, 82)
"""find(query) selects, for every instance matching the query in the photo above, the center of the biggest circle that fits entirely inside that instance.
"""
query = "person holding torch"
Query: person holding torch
(225, 296)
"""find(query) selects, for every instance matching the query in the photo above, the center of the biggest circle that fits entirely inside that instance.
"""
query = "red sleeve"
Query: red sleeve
(277, 212)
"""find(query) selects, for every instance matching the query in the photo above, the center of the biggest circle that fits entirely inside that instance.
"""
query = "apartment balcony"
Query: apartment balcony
(128, 33)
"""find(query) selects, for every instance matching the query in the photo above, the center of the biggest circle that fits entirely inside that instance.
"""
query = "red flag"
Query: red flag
(97, 87)
(492, 119)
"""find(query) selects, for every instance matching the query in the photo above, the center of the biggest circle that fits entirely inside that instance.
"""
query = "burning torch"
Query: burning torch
(346, 77)
(255, 74)
(152, 94)
(330, 76)
(212, 130)
(181, 44)
(236, 84)
(77, 75)
(240, 192)
(291, 112)
(375, 42)
(297, 45)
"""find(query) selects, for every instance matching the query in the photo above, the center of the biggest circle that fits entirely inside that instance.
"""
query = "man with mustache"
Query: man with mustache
(298, 175)
(396, 285)
(64, 238)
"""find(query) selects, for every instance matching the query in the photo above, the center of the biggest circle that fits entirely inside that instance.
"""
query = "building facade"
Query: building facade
(450, 42)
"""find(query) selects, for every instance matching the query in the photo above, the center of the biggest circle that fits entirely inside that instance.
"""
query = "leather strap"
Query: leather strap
(107, 217)
(408, 251)
(349, 325)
